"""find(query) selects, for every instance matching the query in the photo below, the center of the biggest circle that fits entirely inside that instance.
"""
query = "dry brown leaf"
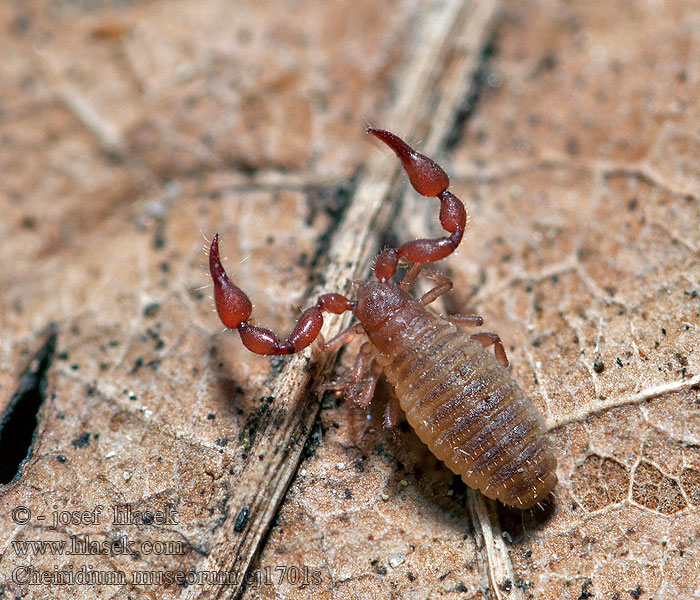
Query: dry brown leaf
(576, 149)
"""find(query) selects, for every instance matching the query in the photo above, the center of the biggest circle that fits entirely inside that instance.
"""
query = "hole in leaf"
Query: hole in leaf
(19, 421)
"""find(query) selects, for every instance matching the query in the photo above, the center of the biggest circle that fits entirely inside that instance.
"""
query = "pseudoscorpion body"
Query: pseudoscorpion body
(457, 396)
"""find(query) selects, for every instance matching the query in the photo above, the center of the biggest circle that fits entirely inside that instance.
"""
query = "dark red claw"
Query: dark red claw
(234, 309)
(426, 176)
(232, 304)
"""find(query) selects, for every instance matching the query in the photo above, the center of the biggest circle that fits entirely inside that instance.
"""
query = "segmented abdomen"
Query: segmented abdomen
(462, 403)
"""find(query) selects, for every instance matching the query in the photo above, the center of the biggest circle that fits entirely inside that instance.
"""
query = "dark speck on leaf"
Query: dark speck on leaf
(241, 520)
(81, 441)
(585, 590)
(151, 310)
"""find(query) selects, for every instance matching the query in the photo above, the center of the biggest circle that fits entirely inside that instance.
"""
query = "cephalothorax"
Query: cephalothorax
(457, 396)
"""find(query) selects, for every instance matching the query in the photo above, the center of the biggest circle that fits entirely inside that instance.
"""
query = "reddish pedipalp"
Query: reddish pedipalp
(429, 179)
(234, 309)
(233, 306)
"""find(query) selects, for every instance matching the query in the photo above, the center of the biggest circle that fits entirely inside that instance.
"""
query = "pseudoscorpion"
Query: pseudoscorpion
(457, 396)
